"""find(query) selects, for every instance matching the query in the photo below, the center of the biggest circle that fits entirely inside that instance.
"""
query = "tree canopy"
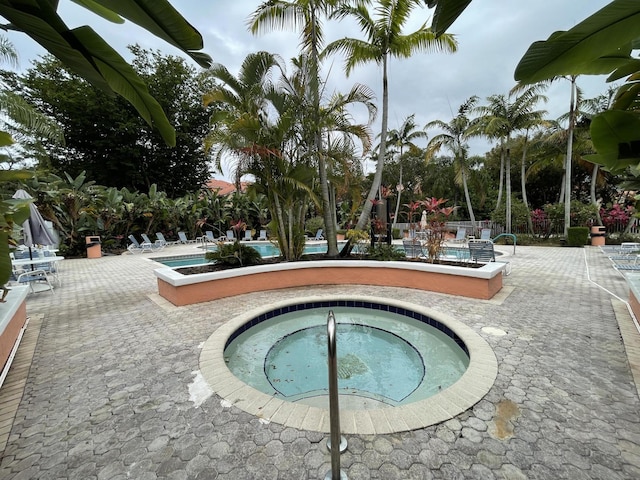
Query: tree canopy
(106, 138)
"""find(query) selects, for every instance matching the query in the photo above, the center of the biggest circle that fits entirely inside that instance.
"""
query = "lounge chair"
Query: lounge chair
(319, 235)
(247, 236)
(263, 235)
(230, 236)
(208, 236)
(482, 250)
(461, 235)
(157, 245)
(412, 248)
(161, 239)
(183, 238)
(137, 247)
(485, 234)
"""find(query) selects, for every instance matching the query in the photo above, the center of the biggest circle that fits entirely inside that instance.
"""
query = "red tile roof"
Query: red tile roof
(223, 187)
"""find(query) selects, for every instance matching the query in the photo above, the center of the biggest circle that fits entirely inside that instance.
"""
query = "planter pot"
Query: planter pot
(179, 289)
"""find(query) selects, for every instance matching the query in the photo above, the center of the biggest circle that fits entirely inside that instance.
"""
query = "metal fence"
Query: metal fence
(545, 228)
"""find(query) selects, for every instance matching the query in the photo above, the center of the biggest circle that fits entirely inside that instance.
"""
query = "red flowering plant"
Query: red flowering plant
(238, 226)
(616, 216)
(413, 207)
(436, 231)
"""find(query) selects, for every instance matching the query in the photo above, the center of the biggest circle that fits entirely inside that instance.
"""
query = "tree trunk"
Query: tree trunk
(501, 175)
(507, 181)
(395, 215)
(472, 216)
(327, 214)
(523, 182)
(567, 178)
(377, 178)
(592, 192)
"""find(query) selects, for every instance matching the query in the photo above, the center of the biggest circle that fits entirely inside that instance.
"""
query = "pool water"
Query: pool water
(384, 357)
(265, 249)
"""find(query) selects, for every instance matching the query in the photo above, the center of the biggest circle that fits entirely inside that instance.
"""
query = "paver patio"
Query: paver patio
(111, 391)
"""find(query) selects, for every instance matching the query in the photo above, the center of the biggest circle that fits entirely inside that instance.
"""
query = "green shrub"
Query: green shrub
(577, 236)
(312, 225)
(384, 252)
(234, 254)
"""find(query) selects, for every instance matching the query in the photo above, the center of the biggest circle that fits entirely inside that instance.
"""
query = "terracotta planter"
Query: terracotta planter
(483, 282)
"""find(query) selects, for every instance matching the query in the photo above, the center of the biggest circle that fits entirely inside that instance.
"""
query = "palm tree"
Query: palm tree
(307, 14)
(454, 137)
(504, 116)
(399, 139)
(384, 39)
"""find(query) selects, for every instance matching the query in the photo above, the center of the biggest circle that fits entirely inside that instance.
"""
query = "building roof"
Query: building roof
(223, 187)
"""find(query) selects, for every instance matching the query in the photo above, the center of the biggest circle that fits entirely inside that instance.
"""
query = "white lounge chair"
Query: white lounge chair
(319, 235)
(247, 236)
(157, 245)
(137, 247)
(485, 234)
(230, 236)
(461, 235)
(161, 239)
(183, 238)
(263, 235)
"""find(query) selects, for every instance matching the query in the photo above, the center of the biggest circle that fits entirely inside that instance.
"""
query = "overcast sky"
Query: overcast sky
(492, 36)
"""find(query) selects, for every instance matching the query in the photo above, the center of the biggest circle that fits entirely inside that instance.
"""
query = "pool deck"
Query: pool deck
(106, 384)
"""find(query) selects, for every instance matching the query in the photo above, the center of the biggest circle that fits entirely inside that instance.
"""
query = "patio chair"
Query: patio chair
(137, 247)
(247, 236)
(412, 248)
(482, 250)
(51, 268)
(32, 277)
(461, 235)
(161, 239)
(230, 236)
(485, 234)
(157, 245)
(319, 235)
(263, 235)
(183, 238)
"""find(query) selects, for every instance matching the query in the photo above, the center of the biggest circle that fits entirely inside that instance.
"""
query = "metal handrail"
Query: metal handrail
(335, 440)
(511, 236)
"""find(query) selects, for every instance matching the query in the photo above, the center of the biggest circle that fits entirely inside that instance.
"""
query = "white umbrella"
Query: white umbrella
(423, 220)
(34, 228)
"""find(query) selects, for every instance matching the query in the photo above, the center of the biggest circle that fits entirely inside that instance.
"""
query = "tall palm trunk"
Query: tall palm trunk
(500, 183)
(507, 181)
(327, 213)
(523, 183)
(567, 178)
(465, 187)
(395, 215)
(377, 178)
(592, 192)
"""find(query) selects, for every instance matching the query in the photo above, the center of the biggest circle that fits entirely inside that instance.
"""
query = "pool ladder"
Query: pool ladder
(334, 406)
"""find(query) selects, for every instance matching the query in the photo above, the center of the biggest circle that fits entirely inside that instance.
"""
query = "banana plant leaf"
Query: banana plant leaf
(447, 11)
(616, 137)
(600, 44)
(88, 55)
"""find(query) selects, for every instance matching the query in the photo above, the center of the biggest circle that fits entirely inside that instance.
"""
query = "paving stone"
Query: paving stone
(107, 394)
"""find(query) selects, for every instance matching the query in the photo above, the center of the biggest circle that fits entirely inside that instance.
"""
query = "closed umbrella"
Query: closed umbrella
(423, 220)
(34, 229)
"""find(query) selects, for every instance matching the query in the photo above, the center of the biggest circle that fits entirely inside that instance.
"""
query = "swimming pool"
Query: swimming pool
(265, 249)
